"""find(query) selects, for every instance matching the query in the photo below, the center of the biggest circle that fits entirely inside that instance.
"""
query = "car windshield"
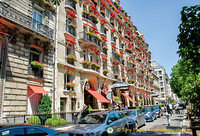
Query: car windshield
(130, 113)
(93, 119)
(147, 110)
(156, 108)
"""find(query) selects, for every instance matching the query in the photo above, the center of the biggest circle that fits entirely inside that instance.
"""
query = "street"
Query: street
(160, 127)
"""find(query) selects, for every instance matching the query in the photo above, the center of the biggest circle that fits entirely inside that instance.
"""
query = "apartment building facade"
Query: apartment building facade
(156, 88)
(165, 89)
(100, 56)
(26, 51)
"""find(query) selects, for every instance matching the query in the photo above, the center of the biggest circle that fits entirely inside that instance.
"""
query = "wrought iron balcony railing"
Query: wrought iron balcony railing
(20, 18)
(89, 38)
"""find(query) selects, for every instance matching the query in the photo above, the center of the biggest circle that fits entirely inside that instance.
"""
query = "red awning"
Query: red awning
(93, 7)
(129, 98)
(118, 101)
(37, 89)
(98, 96)
(102, 20)
(71, 13)
(70, 41)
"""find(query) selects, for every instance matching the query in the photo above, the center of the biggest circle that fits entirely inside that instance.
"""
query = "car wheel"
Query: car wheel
(104, 134)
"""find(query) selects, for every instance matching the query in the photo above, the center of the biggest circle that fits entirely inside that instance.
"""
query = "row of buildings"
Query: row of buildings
(81, 52)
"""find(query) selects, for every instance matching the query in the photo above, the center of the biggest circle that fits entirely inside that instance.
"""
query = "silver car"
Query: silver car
(107, 123)
(135, 118)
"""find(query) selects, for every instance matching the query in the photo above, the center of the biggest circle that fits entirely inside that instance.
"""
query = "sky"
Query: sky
(158, 21)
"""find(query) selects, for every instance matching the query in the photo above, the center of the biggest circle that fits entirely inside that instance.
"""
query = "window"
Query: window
(36, 132)
(161, 78)
(161, 83)
(162, 89)
(12, 132)
(67, 78)
(37, 19)
(34, 55)
(160, 72)
(107, 13)
(85, 55)
(163, 95)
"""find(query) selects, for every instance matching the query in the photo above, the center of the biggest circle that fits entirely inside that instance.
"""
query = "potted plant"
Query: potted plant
(115, 37)
(131, 81)
(70, 59)
(106, 28)
(124, 79)
(105, 71)
(72, 25)
(37, 65)
(70, 84)
(112, 22)
(95, 66)
(95, 18)
(86, 63)
(102, 12)
(105, 47)
(116, 75)
(118, 54)
(128, 50)
(116, 99)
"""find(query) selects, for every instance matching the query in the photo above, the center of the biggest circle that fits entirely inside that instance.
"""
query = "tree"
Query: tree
(45, 107)
(186, 74)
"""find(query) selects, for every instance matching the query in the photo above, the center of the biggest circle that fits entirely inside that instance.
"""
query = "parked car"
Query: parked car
(135, 118)
(100, 124)
(158, 111)
(150, 115)
(28, 130)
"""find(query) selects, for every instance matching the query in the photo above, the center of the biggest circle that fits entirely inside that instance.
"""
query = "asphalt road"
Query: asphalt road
(160, 127)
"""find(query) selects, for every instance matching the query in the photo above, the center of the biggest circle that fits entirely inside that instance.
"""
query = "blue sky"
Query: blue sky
(158, 21)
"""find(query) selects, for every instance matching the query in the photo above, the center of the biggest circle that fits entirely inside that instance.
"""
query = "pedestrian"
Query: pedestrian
(84, 111)
(125, 107)
(102, 108)
(171, 108)
(167, 114)
(177, 109)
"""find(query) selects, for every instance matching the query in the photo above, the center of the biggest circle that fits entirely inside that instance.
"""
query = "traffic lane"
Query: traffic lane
(160, 127)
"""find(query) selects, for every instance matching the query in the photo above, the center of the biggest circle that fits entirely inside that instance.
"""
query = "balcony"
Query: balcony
(71, 30)
(105, 51)
(70, 3)
(87, 15)
(88, 39)
(25, 21)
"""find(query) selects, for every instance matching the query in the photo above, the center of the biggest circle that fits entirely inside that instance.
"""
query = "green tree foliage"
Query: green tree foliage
(185, 80)
(45, 107)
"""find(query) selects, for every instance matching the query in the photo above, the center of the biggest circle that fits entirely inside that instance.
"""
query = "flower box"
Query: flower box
(70, 84)
(105, 71)
(85, 12)
(112, 22)
(116, 76)
(71, 57)
(128, 50)
(102, 12)
(105, 47)
(106, 28)
(94, 17)
(115, 37)
(37, 64)
(124, 79)
(118, 54)
(94, 64)
(131, 81)
(72, 25)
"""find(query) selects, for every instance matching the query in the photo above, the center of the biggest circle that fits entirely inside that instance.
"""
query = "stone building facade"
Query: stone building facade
(27, 53)
(100, 55)
(165, 89)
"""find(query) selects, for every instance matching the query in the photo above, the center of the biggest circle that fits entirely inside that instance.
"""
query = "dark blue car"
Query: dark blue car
(158, 111)
(28, 130)
(150, 115)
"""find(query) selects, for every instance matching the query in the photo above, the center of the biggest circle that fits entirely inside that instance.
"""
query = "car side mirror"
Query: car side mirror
(109, 122)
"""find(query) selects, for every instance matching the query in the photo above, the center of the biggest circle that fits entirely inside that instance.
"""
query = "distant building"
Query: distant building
(163, 82)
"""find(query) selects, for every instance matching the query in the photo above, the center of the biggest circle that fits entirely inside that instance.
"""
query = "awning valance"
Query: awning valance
(98, 96)
(133, 101)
